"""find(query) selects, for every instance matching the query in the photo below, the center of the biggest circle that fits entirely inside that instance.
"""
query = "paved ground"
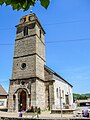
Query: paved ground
(9, 114)
(45, 114)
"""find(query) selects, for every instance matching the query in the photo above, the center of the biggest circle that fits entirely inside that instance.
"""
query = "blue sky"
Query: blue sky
(67, 27)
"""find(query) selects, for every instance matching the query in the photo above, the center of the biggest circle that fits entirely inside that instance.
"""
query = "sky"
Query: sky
(67, 40)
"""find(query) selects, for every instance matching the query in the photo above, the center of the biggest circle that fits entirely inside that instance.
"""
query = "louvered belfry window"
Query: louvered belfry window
(25, 31)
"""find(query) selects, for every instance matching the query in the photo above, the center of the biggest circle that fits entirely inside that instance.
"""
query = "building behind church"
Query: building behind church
(33, 83)
(3, 99)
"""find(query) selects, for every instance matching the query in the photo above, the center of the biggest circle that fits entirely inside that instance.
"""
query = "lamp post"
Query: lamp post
(60, 101)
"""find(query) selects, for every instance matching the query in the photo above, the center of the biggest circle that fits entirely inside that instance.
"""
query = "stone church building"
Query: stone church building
(32, 82)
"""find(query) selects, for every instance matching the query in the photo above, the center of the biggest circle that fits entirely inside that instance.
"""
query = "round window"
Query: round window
(23, 65)
(22, 82)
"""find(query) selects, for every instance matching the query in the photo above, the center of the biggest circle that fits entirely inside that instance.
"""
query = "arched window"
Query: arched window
(57, 92)
(24, 20)
(29, 18)
(63, 94)
(25, 32)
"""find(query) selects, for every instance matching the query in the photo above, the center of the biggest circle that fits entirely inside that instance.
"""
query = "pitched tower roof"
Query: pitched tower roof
(2, 91)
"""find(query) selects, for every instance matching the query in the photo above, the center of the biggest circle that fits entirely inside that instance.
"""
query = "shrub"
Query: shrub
(31, 109)
(34, 109)
(39, 110)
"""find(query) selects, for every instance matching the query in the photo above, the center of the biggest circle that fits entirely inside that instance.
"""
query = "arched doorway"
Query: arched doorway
(22, 100)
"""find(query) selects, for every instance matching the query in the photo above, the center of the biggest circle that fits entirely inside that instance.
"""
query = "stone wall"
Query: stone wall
(40, 47)
(25, 46)
(40, 94)
(33, 93)
(48, 75)
(40, 68)
(51, 94)
(49, 89)
(29, 71)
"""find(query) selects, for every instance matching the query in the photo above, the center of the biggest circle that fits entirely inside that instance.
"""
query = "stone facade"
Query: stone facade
(28, 66)
(32, 83)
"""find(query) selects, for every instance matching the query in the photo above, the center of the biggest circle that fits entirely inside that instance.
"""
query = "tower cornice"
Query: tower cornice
(28, 22)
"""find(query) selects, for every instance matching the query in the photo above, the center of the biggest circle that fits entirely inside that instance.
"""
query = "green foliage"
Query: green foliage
(39, 110)
(81, 96)
(24, 4)
(34, 109)
(30, 109)
(45, 3)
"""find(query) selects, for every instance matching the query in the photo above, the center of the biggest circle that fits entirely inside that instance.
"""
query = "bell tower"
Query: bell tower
(28, 65)
(29, 54)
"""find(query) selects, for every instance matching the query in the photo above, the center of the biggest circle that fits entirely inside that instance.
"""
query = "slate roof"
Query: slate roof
(2, 91)
(50, 70)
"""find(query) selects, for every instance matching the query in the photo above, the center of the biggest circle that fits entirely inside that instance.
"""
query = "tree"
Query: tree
(81, 96)
(24, 4)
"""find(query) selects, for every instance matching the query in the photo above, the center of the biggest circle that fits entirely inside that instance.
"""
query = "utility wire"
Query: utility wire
(66, 22)
(4, 81)
(75, 40)
(50, 42)
(12, 28)
(6, 44)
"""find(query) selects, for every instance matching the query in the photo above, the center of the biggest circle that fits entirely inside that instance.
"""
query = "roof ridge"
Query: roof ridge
(2, 90)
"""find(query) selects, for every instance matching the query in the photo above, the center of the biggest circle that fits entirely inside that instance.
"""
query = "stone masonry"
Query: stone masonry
(28, 66)
(32, 82)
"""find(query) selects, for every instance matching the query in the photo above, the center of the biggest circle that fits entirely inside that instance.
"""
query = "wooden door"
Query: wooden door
(23, 100)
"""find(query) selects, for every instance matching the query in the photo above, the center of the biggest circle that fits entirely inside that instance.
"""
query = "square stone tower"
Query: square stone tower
(27, 83)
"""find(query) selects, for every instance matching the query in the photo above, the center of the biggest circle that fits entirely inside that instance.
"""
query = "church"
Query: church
(33, 83)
